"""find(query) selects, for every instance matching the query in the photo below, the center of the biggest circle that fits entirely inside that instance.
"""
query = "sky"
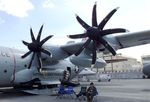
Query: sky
(58, 17)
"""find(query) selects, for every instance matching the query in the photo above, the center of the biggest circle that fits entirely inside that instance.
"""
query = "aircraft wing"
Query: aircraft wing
(119, 41)
(71, 48)
(133, 39)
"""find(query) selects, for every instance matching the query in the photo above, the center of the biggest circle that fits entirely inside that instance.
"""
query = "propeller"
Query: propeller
(35, 47)
(95, 33)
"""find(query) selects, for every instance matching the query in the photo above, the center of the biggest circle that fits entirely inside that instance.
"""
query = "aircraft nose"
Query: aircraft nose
(146, 69)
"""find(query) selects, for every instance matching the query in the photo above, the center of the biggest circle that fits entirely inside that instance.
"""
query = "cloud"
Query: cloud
(48, 4)
(17, 8)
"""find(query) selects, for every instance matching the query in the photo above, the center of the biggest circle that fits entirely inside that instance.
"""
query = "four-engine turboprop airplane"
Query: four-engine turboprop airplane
(43, 64)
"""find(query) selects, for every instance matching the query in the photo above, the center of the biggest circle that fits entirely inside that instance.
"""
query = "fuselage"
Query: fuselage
(13, 68)
(10, 63)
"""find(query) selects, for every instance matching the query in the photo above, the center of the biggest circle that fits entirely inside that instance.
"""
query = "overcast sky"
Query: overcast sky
(58, 17)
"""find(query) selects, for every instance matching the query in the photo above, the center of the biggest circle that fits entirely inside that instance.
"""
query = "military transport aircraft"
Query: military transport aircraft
(43, 64)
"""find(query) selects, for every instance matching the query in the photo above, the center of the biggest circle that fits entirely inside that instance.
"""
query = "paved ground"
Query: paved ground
(137, 90)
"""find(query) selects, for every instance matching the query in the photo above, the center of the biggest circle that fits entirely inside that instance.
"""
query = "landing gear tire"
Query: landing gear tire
(144, 77)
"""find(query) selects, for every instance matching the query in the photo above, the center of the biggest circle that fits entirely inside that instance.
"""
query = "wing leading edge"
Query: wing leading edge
(133, 39)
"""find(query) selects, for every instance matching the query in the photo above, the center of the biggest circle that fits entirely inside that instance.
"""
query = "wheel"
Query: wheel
(99, 80)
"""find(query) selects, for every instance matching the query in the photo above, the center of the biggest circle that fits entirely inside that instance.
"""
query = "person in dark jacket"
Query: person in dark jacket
(91, 92)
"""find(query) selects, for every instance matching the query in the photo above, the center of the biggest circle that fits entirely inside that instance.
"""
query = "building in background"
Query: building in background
(145, 59)
(118, 67)
(120, 63)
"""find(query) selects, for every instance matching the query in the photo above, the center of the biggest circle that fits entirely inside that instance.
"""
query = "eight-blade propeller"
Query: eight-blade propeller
(35, 47)
(95, 33)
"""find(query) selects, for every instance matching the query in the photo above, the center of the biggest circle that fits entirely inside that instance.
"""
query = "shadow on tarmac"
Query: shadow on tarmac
(14, 94)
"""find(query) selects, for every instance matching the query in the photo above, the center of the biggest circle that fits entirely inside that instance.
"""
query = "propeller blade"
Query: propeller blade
(25, 43)
(26, 54)
(82, 47)
(39, 60)
(94, 53)
(94, 16)
(46, 52)
(105, 20)
(108, 46)
(45, 39)
(39, 34)
(32, 35)
(77, 36)
(31, 61)
(112, 31)
(36, 47)
(86, 26)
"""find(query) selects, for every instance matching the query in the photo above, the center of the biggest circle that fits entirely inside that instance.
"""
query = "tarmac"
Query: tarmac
(120, 90)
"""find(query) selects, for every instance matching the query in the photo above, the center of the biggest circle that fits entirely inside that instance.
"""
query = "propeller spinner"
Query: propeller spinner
(35, 47)
(95, 33)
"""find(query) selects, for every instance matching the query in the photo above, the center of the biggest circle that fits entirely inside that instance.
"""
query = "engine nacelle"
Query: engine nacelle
(84, 61)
